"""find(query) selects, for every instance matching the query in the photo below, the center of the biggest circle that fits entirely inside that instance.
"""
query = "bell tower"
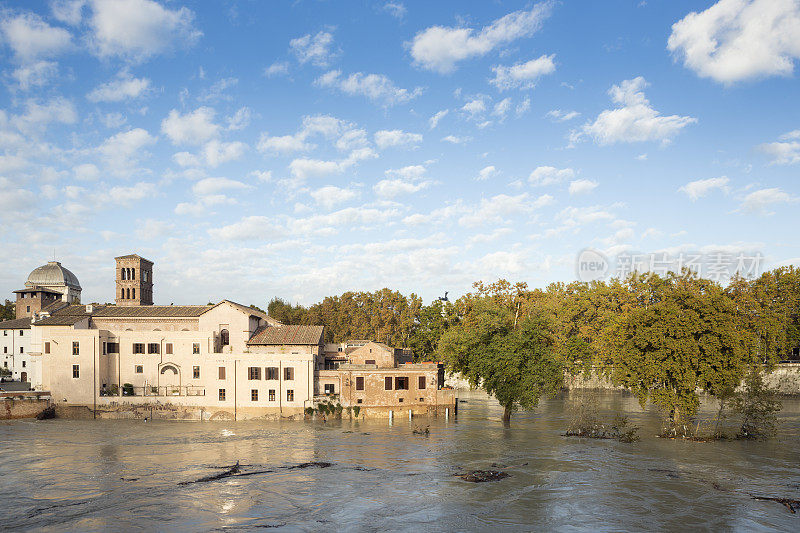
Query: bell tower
(134, 281)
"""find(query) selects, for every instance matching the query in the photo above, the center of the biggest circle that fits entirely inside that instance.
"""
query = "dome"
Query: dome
(52, 274)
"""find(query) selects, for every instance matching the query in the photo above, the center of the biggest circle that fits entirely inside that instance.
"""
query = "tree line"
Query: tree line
(661, 337)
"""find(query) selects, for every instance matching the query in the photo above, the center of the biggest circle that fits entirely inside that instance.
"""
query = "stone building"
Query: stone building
(45, 285)
(134, 281)
(15, 337)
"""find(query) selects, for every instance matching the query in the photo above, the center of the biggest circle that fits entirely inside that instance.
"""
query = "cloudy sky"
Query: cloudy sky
(300, 149)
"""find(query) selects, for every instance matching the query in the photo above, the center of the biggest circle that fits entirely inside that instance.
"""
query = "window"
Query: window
(195, 372)
(222, 395)
(254, 372)
(133, 291)
(21, 332)
(168, 348)
(28, 310)
(421, 382)
(23, 364)
(288, 373)
(254, 395)
(105, 348)
(400, 400)
(330, 388)
(222, 372)
(21, 349)
(359, 401)
(113, 347)
(272, 372)
(76, 371)
(369, 362)
(76, 348)
(224, 337)
(5, 349)
(138, 347)
(360, 383)
(272, 395)
(387, 383)
(289, 395)
(401, 383)
(153, 347)
(133, 275)
(139, 369)
(196, 348)
(5, 333)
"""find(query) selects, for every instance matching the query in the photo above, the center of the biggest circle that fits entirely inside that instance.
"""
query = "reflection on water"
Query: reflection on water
(101, 475)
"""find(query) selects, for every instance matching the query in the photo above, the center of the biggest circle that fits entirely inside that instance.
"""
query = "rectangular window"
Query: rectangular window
(29, 309)
(360, 383)
(76, 371)
(254, 395)
(195, 372)
(138, 347)
(289, 395)
(21, 349)
(369, 362)
(387, 383)
(272, 395)
(222, 395)
(105, 348)
(330, 388)
(139, 369)
(23, 364)
(21, 332)
(113, 347)
(421, 382)
(196, 348)
(272, 372)
(288, 373)
(153, 347)
(76, 348)
(5, 349)
(401, 383)
(222, 372)
(254, 372)
(168, 348)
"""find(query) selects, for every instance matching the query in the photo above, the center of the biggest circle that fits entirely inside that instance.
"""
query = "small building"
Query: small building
(46, 285)
(15, 339)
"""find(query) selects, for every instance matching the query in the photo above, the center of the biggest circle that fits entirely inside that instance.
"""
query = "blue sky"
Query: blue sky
(260, 149)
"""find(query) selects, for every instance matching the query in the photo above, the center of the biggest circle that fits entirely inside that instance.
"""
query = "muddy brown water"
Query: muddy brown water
(65, 475)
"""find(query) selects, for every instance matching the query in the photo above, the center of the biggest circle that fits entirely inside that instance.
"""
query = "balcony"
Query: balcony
(164, 391)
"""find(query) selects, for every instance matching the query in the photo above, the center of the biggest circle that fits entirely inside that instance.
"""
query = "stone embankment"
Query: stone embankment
(23, 404)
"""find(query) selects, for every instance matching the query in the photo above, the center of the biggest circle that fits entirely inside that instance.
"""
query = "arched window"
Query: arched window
(121, 273)
(129, 294)
(224, 337)
(122, 296)
(134, 294)
(133, 273)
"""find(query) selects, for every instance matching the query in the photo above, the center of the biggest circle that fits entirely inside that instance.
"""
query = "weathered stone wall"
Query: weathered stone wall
(22, 408)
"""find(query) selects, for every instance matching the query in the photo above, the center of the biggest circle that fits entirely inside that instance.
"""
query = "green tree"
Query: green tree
(286, 313)
(683, 335)
(516, 365)
(8, 311)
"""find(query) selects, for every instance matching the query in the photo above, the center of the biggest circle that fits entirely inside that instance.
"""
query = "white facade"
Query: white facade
(14, 347)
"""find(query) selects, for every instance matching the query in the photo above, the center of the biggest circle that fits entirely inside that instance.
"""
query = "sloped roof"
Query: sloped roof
(61, 320)
(299, 335)
(36, 288)
(150, 311)
(19, 323)
(134, 256)
(255, 312)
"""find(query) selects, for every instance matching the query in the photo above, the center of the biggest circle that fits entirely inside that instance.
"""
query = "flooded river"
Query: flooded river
(126, 475)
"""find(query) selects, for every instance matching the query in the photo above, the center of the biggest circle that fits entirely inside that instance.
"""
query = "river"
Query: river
(125, 475)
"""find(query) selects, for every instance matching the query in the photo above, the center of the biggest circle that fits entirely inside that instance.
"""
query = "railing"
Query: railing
(185, 390)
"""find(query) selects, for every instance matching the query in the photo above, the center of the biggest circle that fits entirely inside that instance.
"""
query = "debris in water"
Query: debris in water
(481, 476)
(47, 413)
(789, 503)
(363, 469)
(230, 471)
(421, 431)
(319, 464)
(129, 478)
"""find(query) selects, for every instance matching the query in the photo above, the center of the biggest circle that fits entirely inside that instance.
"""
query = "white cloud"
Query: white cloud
(434, 120)
(698, 189)
(439, 48)
(522, 75)
(736, 40)
(498, 209)
(282, 144)
(502, 108)
(761, 200)
(248, 228)
(212, 186)
(547, 175)
(486, 173)
(387, 138)
(185, 159)
(216, 152)
(474, 107)
(558, 115)
(396, 9)
(304, 168)
(67, 11)
(785, 151)
(120, 89)
(30, 37)
(86, 172)
(582, 186)
(392, 188)
(634, 120)
(123, 148)
(452, 139)
(277, 69)
(313, 49)
(38, 116)
(192, 128)
(523, 107)
(330, 196)
(138, 29)
(35, 74)
(240, 119)
(375, 87)
(264, 176)
(217, 90)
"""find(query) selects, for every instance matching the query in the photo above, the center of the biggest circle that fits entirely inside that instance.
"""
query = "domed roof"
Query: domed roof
(52, 274)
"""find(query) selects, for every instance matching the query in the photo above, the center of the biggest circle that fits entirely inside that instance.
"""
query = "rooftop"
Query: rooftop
(19, 323)
(299, 335)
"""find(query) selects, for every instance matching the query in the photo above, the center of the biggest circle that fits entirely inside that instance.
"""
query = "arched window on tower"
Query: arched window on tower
(122, 273)
(133, 273)
(224, 337)
(129, 294)
(134, 293)
(122, 295)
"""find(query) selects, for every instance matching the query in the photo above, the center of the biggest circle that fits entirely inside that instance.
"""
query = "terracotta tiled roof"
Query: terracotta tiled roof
(299, 335)
(150, 311)
(60, 320)
(19, 323)
(134, 256)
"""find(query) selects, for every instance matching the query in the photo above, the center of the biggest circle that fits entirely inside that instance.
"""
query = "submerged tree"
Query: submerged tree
(682, 337)
(510, 356)
(758, 407)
